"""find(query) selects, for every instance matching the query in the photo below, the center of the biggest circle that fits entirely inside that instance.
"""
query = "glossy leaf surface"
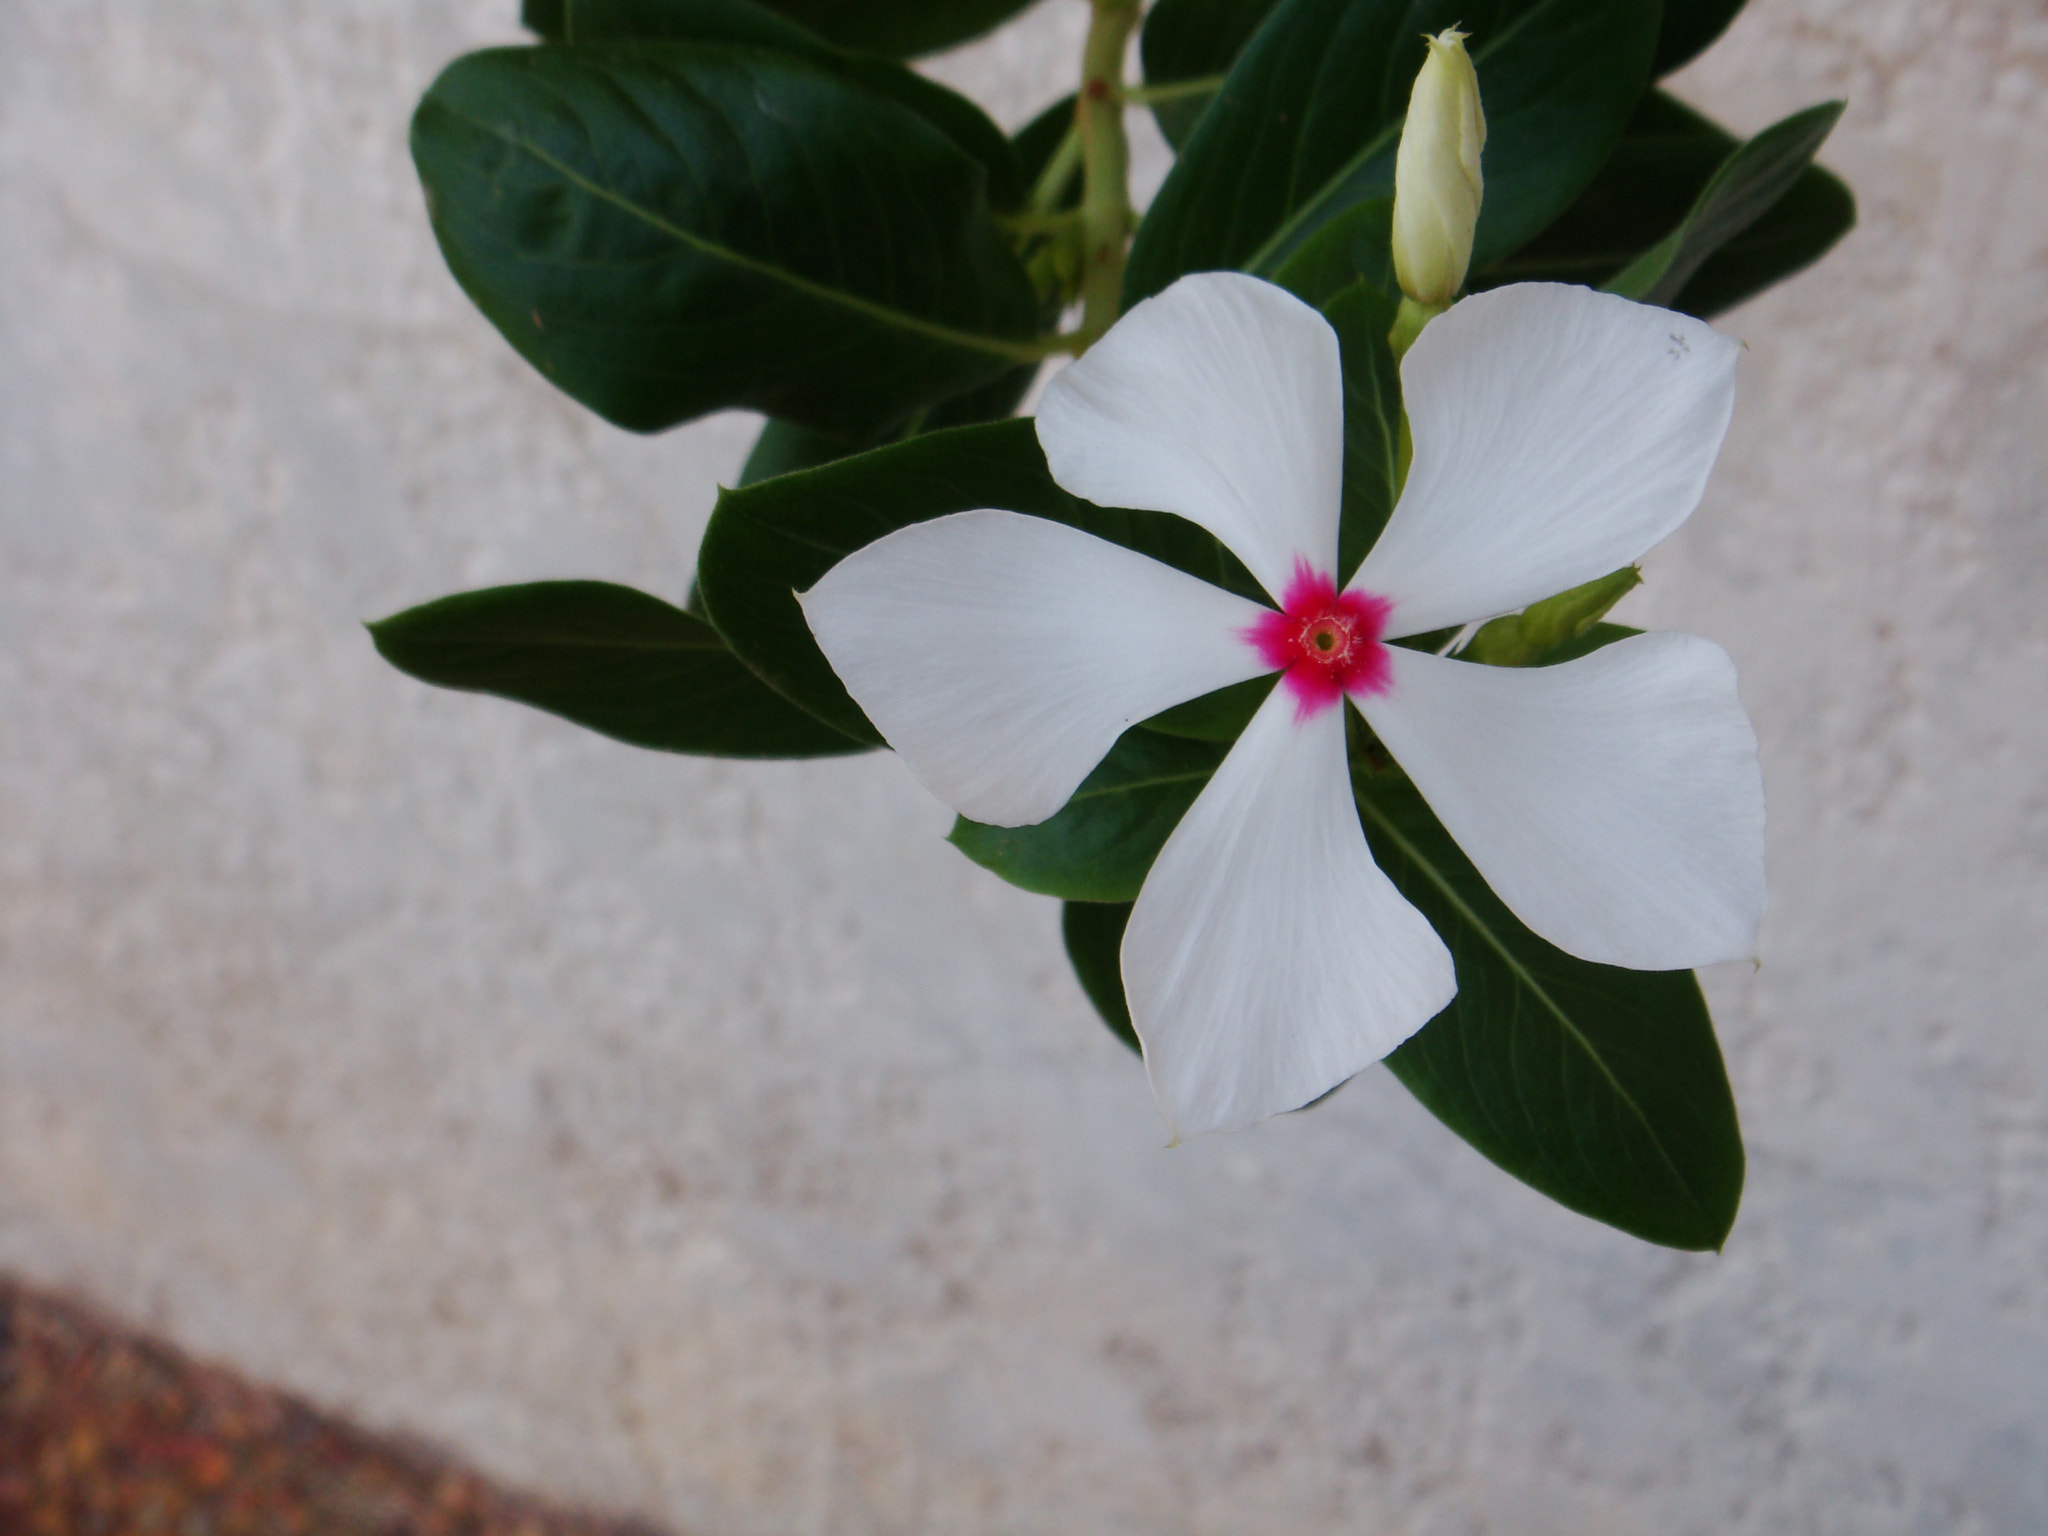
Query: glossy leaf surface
(1603, 1088)
(668, 229)
(607, 657)
(1307, 124)
(770, 540)
(746, 24)
(1099, 846)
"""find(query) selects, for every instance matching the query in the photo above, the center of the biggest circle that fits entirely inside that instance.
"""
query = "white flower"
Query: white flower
(1614, 802)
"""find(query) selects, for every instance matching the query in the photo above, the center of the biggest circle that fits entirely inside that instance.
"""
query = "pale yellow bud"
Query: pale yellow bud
(1436, 174)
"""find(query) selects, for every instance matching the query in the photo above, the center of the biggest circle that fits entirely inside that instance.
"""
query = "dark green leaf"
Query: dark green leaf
(1188, 40)
(1101, 843)
(668, 229)
(1747, 184)
(1603, 1088)
(1361, 315)
(544, 18)
(1094, 932)
(768, 541)
(901, 28)
(783, 447)
(1647, 189)
(607, 657)
(1307, 124)
(1690, 26)
(1039, 140)
(745, 24)
(1218, 716)
(1355, 247)
(1801, 229)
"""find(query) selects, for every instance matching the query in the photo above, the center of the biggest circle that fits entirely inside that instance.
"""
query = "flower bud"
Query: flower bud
(1436, 174)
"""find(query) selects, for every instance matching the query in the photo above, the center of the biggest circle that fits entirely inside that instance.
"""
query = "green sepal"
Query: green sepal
(1603, 1088)
(1527, 638)
(665, 229)
(609, 658)
(768, 541)
(1284, 148)
(1094, 935)
(1099, 846)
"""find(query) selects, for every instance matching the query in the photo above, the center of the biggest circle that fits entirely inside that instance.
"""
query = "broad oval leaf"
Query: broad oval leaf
(901, 28)
(1103, 841)
(607, 657)
(1308, 121)
(1603, 1088)
(768, 541)
(746, 24)
(667, 229)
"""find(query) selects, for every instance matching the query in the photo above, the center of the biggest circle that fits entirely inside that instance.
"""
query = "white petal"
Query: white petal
(1268, 958)
(1614, 802)
(1221, 399)
(1559, 433)
(1002, 655)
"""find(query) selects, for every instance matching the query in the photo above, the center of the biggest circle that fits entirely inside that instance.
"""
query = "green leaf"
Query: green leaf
(618, 661)
(1803, 227)
(544, 18)
(1218, 716)
(1094, 934)
(1361, 316)
(1306, 126)
(1690, 26)
(1190, 40)
(1747, 184)
(665, 229)
(1355, 247)
(1102, 841)
(767, 542)
(901, 28)
(745, 24)
(1650, 186)
(1603, 1088)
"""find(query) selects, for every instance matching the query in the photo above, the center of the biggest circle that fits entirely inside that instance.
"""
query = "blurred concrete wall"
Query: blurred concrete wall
(709, 1140)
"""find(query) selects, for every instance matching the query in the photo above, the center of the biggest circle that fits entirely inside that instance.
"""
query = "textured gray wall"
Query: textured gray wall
(710, 1140)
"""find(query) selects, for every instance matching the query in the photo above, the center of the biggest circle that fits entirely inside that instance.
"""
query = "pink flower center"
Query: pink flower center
(1324, 643)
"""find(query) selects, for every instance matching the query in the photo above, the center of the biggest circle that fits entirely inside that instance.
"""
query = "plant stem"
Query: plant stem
(1105, 164)
(1172, 90)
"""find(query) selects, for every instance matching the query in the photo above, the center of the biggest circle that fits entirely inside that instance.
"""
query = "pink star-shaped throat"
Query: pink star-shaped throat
(1325, 643)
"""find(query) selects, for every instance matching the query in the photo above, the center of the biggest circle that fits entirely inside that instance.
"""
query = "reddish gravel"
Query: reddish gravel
(104, 1432)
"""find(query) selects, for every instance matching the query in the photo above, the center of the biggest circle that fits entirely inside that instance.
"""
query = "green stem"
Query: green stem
(1059, 170)
(1105, 163)
(1172, 90)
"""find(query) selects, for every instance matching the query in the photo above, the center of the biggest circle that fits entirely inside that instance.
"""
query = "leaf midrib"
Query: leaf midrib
(1016, 352)
(1535, 988)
